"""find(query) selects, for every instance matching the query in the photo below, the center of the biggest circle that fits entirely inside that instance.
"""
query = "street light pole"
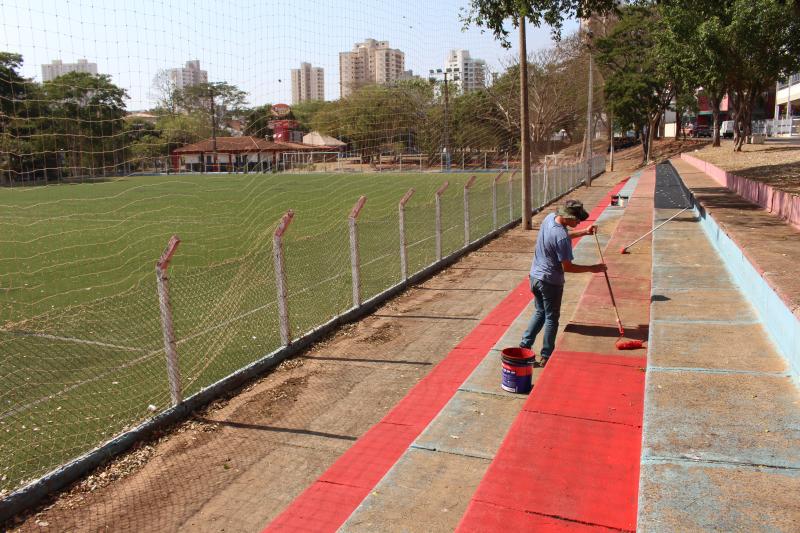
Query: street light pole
(524, 127)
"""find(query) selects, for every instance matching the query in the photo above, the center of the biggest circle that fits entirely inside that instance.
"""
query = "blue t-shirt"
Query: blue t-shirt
(553, 245)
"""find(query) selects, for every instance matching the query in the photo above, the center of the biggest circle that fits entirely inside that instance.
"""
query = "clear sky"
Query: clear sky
(253, 44)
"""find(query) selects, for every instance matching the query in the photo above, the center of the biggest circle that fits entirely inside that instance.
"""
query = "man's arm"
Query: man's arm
(569, 266)
(591, 230)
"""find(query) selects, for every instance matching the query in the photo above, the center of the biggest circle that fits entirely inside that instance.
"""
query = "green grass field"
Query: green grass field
(82, 355)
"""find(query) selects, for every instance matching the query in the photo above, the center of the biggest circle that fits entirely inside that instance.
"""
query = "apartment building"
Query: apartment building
(369, 62)
(58, 68)
(189, 75)
(787, 97)
(308, 83)
(470, 73)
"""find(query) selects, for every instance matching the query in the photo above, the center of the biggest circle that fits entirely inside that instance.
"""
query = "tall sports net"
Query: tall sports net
(123, 124)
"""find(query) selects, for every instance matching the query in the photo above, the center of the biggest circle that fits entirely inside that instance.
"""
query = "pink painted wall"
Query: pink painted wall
(782, 204)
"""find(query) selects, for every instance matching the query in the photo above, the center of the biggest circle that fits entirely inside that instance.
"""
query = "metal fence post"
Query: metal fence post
(439, 193)
(494, 199)
(402, 217)
(280, 277)
(546, 182)
(511, 196)
(467, 186)
(162, 282)
(355, 261)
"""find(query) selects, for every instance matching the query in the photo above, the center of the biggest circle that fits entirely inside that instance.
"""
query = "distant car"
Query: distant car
(726, 129)
(701, 131)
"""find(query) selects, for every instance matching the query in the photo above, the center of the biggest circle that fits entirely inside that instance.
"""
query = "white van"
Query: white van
(726, 129)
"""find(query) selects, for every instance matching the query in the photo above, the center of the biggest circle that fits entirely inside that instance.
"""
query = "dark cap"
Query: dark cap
(573, 209)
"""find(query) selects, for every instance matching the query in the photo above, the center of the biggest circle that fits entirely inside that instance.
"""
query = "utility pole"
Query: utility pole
(446, 131)
(611, 140)
(213, 126)
(589, 114)
(524, 127)
(448, 75)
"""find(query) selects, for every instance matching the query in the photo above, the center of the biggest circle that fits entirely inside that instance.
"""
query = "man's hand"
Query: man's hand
(591, 230)
(598, 268)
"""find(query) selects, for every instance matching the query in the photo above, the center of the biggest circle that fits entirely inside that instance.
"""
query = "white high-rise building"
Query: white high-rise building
(58, 68)
(308, 83)
(369, 62)
(471, 74)
(188, 75)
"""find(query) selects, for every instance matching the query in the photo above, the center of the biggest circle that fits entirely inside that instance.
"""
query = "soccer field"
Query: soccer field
(82, 346)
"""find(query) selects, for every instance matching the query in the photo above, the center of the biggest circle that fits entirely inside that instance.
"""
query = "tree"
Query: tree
(14, 116)
(376, 118)
(166, 93)
(640, 83)
(256, 120)
(83, 120)
(217, 101)
(492, 14)
(304, 112)
(763, 43)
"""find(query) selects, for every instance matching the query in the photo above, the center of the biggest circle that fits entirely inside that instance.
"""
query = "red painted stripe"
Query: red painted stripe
(330, 500)
(327, 503)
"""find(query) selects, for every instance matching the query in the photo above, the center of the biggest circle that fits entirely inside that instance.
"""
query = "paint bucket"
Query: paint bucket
(623, 201)
(614, 200)
(517, 371)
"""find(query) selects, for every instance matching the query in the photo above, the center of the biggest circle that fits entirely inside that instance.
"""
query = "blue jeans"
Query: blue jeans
(547, 301)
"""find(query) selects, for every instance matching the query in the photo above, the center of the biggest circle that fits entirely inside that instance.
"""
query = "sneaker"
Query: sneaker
(543, 362)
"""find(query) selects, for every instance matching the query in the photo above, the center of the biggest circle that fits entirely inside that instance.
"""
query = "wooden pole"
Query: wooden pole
(524, 127)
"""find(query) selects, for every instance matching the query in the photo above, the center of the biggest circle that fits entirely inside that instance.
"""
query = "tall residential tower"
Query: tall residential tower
(471, 72)
(188, 75)
(369, 62)
(58, 68)
(308, 83)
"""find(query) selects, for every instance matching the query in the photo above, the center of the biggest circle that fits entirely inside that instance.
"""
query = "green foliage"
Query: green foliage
(216, 102)
(256, 120)
(304, 112)
(493, 14)
(375, 117)
(641, 78)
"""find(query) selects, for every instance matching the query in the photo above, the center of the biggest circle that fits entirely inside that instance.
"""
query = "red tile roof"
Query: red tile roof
(242, 144)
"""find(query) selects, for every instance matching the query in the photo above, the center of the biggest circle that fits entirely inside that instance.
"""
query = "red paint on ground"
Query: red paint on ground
(573, 453)
(490, 517)
(327, 503)
(606, 388)
(569, 468)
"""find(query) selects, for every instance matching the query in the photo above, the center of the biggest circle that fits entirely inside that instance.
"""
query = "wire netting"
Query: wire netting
(159, 119)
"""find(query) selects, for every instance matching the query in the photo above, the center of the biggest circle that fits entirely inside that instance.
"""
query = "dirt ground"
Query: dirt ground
(235, 465)
(775, 164)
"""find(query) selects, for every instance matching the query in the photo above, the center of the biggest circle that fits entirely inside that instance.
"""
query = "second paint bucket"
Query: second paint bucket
(517, 371)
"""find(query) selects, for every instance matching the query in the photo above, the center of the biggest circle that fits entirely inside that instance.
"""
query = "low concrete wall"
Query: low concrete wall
(783, 204)
(780, 322)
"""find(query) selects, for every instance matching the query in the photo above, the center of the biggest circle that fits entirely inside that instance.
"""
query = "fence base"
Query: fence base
(32, 494)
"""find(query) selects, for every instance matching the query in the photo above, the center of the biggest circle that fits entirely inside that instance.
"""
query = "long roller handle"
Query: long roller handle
(652, 230)
(608, 283)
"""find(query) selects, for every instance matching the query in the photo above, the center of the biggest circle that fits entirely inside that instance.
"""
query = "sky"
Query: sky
(252, 44)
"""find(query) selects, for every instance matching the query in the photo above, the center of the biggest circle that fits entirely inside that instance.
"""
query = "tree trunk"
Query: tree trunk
(744, 110)
(651, 130)
(715, 101)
